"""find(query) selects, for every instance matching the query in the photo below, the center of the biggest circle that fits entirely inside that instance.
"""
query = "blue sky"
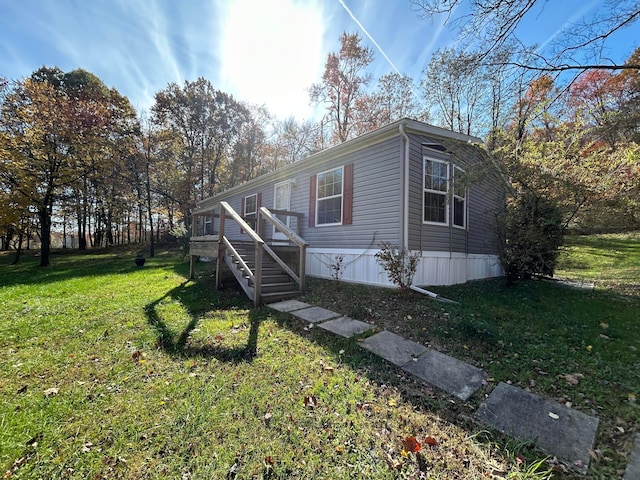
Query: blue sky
(261, 51)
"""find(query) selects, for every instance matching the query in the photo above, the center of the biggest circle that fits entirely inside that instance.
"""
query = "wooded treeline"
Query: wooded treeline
(75, 156)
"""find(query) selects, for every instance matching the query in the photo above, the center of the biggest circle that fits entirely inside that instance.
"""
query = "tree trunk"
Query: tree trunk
(45, 235)
(152, 246)
(64, 232)
(18, 249)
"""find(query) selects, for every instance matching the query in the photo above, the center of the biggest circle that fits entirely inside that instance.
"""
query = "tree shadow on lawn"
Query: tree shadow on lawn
(177, 343)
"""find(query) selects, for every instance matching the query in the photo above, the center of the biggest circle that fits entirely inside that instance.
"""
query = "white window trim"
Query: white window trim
(208, 220)
(277, 234)
(445, 194)
(464, 200)
(246, 203)
(327, 198)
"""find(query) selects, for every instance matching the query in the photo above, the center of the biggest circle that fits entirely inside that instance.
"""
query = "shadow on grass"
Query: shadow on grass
(177, 342)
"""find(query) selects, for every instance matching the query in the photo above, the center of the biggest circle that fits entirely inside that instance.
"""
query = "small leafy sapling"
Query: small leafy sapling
(337, 268)
(400, 264)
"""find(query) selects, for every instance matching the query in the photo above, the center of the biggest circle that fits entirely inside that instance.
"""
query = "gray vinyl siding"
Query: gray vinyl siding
(484, 197)
(377, 202)
(376, 199)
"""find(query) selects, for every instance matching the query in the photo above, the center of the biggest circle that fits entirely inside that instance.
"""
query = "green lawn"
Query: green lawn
(580, 347)
(114, 371)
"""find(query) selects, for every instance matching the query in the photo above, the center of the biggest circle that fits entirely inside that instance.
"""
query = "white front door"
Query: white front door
(282, 201)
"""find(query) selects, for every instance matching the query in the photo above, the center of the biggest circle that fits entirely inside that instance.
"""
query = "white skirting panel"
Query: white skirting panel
(435, 268)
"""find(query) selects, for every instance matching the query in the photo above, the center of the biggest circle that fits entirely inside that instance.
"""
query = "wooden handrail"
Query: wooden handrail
(291, 235)
(286, 212)
(283, 265)
(244, 225)
(260, 246)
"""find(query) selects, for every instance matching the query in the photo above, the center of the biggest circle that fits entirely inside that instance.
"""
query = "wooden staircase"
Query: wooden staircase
(269, 278)
(275, 282)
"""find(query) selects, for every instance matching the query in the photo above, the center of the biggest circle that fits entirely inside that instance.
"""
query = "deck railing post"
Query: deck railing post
(219, 259)
(259, 226)
(257, 287)
(302, 266)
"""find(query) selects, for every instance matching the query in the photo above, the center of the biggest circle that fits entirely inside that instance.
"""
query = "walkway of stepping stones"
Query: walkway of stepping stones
(555, 428)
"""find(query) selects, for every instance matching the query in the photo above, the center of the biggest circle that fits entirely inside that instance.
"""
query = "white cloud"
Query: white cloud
(271, 53)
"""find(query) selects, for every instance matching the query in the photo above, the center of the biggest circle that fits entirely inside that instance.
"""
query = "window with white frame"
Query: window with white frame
(459, 198)
(436, 189)
(329, 197)
(208, 225)
(251, 209)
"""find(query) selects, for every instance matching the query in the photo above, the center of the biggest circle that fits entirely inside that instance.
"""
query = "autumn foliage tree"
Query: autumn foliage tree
(343, 84)
(59, 135)
(38, 144)
(571, 156)
(206, 124)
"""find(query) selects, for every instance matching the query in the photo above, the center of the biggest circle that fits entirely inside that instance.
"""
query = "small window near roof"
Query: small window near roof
(435, 146)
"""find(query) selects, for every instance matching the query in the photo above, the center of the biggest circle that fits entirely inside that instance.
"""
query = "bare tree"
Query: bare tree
(455, 83)
(491, 24)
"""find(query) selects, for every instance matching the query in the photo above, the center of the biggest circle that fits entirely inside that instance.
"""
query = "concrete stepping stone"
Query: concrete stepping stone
(346, 327)
(393, 348)
(633, 467)
(314, 314)
(556, 429)
(289, 305)
(447, 373)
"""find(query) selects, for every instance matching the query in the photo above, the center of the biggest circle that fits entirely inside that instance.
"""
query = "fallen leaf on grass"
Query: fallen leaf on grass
(554, 415)
(33, 441)
(596, 454)
(50, 392)
(22, 389)
(410, 444)
(86, 447)
(310, 401)
(393, 463)
(573, 378)
(432, 442)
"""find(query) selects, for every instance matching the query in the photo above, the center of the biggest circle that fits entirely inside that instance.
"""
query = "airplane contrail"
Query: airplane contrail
(353, 17)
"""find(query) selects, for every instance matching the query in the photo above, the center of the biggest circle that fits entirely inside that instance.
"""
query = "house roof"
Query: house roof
(383, 133)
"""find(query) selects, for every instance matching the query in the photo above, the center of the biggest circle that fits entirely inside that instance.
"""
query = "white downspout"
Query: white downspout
(404, 219)
(404, 240)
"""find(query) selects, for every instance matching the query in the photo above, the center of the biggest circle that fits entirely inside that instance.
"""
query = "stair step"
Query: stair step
(275, 283)
(271, 297)
(272, 280)
(270, 272)
(277, 287)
